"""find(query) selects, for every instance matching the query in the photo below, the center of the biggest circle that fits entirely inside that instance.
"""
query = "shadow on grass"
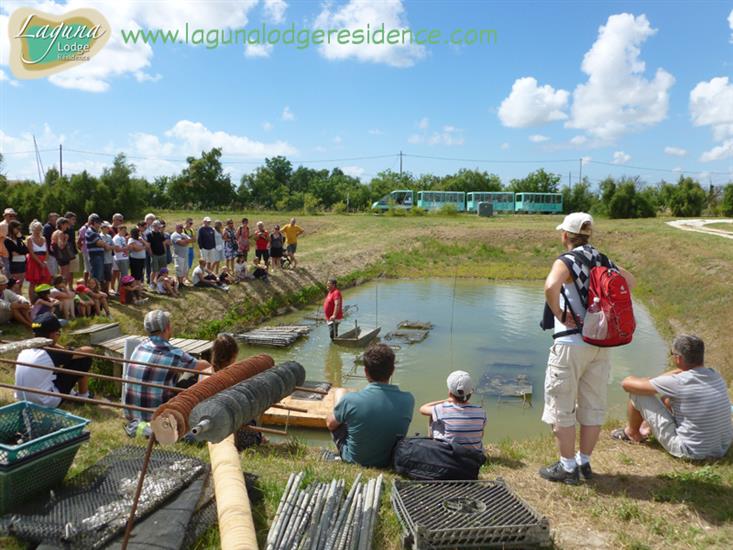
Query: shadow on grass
(703, 490)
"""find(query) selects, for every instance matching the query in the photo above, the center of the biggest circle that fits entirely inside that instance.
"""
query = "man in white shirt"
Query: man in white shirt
(180, 248)
(47, 325)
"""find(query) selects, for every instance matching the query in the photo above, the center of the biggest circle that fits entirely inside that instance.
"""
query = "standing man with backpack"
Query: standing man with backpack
(576, 380)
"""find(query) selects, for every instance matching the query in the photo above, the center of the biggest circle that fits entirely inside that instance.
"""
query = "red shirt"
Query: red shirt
(330, 303)
(263, 240)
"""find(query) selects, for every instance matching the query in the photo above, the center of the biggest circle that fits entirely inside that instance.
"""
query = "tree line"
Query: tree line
(277, 185)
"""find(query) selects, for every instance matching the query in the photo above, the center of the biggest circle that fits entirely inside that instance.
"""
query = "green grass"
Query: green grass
(641, 498)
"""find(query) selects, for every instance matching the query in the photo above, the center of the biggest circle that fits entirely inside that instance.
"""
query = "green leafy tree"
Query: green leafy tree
(727, 201)
(203, 182)
(578, 198)
(628, 202)
(470, 180)
(536, 182)
(688, 198)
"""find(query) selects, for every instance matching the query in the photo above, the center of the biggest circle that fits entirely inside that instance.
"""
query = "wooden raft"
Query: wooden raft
(316, 416)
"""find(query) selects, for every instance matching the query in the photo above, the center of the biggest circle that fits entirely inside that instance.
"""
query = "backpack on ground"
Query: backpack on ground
(427, 459)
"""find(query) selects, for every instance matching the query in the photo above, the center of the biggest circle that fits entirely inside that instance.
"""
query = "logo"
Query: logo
(42, 44)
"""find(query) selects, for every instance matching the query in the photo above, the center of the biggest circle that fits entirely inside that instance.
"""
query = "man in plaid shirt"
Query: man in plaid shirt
(156, 349)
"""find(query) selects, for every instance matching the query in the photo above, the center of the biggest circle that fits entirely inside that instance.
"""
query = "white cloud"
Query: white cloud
(118, 59)
(275, 11)
(19, 151)
(356, 15)
(424, 123)
(675, 151)
(194, 137)
(619, 157)
(258, 50)
(578, 140)
(375, 132)
(585, 160)
(5, 78)
(353, 171)
(267, 126)
(730, 24)
(530, 105)
(448, 135)
(504, 146)
(711, 104)
(287, 114)
(538, 138)
(337, 140)
(677, 169)
(722, 151)
(617, 98)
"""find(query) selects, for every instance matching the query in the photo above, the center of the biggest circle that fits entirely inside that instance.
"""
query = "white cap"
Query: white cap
(207, 219)
(460, 383)
(573, 223)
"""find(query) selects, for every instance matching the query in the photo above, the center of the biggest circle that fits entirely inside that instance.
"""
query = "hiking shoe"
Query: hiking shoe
(556, 472)
(586, 471)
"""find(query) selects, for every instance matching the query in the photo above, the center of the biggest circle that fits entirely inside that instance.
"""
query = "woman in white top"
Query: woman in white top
(136, 251)
(219, 245)
(122, 258)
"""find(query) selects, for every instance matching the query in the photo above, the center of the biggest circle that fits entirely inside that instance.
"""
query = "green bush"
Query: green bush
(447, 209)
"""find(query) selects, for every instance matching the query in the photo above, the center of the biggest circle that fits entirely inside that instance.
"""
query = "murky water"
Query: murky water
(484, 328)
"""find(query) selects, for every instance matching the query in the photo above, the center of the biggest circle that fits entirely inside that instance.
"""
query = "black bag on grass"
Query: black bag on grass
(427, 459)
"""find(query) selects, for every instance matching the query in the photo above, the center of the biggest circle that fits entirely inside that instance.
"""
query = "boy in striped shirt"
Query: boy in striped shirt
(455, 420)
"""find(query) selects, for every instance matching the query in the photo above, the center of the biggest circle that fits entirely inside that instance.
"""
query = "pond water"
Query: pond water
(490, 330)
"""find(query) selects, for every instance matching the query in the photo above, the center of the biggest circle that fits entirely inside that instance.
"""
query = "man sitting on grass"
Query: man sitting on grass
(366, 424)
(693, 417)
(47, 325)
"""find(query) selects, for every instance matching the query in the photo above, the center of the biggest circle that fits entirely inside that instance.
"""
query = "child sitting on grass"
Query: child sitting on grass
(131, 291)
(240, 269)
(44, 303)
(166, 284)
(64, 296)
(88, 307)
(100, 297)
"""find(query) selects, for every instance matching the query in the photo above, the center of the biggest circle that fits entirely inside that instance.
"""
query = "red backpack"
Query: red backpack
(615, 309)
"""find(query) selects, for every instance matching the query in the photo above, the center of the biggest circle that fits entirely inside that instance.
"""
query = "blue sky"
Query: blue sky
(652, 89)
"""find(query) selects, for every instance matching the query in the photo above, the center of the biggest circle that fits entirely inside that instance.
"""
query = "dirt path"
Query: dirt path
(699, 226)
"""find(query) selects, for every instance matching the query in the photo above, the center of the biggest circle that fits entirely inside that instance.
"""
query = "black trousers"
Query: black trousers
(333, 330)
(65, 382)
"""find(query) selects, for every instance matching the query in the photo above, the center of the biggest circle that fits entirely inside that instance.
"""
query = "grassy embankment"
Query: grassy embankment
(642, 498)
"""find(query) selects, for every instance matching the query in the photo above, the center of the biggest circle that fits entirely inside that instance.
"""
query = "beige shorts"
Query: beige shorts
(210, 256)
(576, 385)
(661, 422)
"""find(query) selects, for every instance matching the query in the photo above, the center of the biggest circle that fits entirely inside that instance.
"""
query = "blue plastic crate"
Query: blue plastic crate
(27, 428)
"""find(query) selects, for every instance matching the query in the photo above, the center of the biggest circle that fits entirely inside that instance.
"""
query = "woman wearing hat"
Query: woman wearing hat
(36, 267)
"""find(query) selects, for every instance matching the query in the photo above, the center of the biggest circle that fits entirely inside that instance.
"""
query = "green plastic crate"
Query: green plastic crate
(40, 427)
(37, 473)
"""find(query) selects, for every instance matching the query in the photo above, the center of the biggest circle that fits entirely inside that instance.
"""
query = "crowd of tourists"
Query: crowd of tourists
(687, 409)
(75, 273)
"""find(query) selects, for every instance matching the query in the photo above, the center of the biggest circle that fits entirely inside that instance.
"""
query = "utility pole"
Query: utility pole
(61, 160)
(400, 163)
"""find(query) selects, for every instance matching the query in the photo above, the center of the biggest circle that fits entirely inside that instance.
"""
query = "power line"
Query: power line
(29, 152)
(493, 161)
(657, 169)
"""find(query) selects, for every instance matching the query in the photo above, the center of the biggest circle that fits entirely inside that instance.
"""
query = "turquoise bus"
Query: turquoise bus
(538, 203)
(402, 199)
(501, 201)
(434, 200)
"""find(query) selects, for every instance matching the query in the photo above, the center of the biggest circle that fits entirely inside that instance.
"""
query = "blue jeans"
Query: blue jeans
(190, 257)
(96, 262)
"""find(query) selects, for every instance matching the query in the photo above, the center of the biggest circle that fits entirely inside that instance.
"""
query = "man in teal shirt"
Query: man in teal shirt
(366, 424)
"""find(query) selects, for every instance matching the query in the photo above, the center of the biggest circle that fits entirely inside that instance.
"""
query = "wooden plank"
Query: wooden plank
(12, 347)
(201, 346)
(316, 416)
(95, 328)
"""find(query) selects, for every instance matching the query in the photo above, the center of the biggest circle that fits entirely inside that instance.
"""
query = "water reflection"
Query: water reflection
(484, 328)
